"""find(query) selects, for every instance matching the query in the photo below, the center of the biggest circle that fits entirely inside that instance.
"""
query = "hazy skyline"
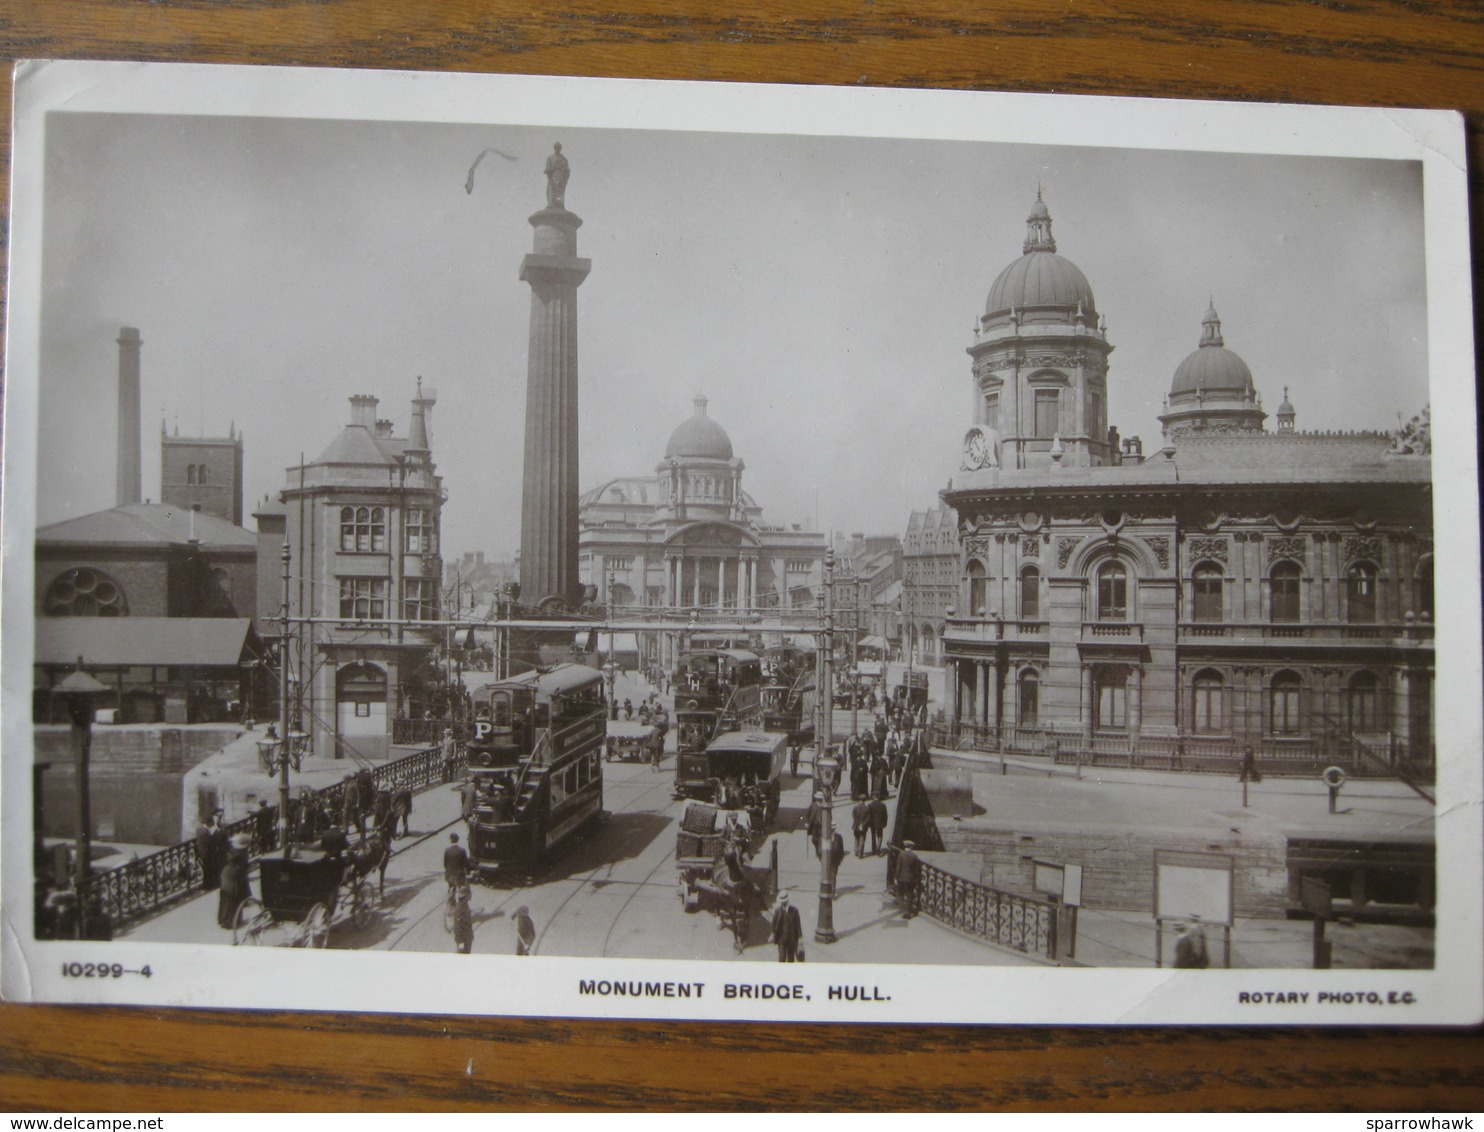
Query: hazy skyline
(819, 291)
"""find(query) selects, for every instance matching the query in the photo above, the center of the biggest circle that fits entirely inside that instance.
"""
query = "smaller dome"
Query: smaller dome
(1212, 367)
(699, 437)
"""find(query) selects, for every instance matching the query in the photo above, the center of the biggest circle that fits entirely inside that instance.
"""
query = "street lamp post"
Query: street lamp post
(824, 927)
(81, 692)
(612, 665)
(283, 714)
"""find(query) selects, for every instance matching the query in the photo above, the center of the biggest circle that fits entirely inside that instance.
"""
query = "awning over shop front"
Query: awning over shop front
(120, 642)
(873, 642)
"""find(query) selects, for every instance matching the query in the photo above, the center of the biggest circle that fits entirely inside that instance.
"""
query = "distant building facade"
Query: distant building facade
(930, 572)
(689, 537)
(1238, 588)
(362, 523)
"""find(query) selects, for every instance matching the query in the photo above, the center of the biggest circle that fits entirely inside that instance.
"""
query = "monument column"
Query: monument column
(548, 524)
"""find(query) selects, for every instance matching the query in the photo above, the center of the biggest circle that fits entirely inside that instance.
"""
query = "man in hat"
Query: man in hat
(455, 863)
(909, 873)
(860, 821)
(814, 822)
(788, 930)
(525, 932)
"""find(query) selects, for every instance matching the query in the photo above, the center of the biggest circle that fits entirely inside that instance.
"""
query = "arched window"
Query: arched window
(978, 589)
(1110, 698)
(1285, 592)
(1113, 592)
(1424, 587)
(1207, 586)
(1208, 702)
(1364, 702)
(1285, 702)
(201, 473)
(1030, 594)
(1030, 699)
(84, 592)
(191, 474)
(1360, 594)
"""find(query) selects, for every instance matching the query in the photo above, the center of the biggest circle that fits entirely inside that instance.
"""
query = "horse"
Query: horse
(372, 851)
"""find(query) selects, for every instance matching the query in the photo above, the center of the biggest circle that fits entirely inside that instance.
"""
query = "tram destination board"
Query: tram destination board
(1147, 691)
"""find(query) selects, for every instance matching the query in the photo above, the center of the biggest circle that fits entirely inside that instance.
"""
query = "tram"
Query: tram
(715, 690)
(535, 756)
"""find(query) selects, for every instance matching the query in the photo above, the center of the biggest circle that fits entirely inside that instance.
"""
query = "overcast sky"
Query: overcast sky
(819, 291)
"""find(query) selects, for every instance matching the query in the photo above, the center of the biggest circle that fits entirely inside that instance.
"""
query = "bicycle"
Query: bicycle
(458, 918)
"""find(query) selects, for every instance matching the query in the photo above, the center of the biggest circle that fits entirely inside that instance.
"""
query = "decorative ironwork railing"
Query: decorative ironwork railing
(145, 885)
(415, 732)
(1021, 923)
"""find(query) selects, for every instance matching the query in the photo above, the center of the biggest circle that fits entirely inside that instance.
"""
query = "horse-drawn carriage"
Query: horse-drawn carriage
(630, 740)
(307, 890)
(714, 851)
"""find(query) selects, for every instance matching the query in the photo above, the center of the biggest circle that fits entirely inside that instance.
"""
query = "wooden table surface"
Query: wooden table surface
(1377, 52)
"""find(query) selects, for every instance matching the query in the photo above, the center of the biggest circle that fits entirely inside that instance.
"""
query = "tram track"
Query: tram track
(575, 884)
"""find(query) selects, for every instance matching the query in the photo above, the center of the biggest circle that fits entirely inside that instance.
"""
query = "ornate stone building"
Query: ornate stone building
(689, 537)
(1239, 587)
(362, 525)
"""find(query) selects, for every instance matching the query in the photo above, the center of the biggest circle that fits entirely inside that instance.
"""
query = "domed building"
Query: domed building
(689, 537)
(1040, 366)
(1238, 587)
(1212, 391)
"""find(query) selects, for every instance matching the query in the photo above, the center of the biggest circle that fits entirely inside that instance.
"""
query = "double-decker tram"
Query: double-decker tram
(535, 756)
(788, 696)
(715, 690)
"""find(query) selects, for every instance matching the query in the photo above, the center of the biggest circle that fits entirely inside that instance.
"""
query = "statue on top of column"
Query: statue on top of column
(557, 174)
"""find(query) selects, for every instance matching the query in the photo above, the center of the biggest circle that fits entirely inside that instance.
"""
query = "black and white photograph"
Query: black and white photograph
(1009, 558)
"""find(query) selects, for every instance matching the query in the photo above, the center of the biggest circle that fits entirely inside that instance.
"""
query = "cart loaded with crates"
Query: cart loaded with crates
(301, 896)
(705, 876)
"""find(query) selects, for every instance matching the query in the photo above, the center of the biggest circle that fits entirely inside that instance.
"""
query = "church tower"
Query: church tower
(548, 522)
(1041, 362)
(203, 473)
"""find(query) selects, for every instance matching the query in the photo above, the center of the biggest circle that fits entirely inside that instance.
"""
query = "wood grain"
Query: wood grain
(1376, 52)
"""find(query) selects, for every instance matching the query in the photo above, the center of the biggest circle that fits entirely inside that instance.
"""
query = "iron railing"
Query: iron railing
(1021, 923)
(143, 886)
(417, 732)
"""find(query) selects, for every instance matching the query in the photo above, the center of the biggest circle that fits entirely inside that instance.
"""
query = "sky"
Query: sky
(820, 291)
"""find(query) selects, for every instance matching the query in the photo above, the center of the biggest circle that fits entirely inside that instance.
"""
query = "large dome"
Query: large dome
(1040, 277)
(699, 436)
(1212, 368)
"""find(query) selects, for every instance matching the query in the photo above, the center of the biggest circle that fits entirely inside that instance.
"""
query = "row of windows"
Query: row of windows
(363, 530)
(364, 599)
(196, 474)
(1111, 592)
(1045, 412)
(1210, 709)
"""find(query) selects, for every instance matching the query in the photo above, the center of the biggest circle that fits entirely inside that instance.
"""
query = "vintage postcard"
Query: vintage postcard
(975, 558)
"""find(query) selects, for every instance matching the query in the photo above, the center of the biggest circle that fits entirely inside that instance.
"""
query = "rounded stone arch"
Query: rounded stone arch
(84, 591)
(1095, 549)
(1422, 581)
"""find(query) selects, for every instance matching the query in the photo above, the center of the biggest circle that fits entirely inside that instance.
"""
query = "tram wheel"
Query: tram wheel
(249, 923)
(317, 927)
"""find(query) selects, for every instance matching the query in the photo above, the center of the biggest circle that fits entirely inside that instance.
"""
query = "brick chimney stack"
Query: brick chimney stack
(129, 477)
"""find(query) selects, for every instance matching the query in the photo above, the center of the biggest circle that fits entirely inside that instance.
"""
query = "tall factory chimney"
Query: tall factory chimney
(129, 478)
(548, 520)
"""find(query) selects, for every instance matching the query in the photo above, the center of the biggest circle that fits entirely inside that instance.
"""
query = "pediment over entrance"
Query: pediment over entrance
(718, 535)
